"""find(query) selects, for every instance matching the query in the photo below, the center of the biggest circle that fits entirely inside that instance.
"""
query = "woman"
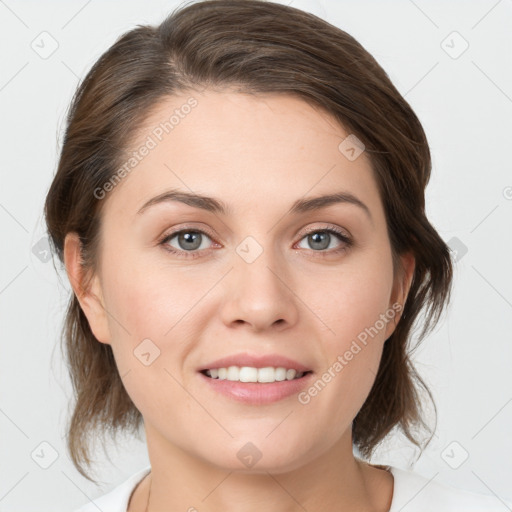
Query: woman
(259, 357)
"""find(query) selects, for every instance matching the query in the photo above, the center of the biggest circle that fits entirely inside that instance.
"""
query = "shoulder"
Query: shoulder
(117, 499)
(416, 493)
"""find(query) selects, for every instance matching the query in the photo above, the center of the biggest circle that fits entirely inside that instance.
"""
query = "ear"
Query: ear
(87, 289)
(401, 288)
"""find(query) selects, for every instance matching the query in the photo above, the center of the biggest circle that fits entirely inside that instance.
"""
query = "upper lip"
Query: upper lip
(256, 361)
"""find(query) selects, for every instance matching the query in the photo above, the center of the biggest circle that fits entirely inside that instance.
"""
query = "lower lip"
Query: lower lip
(256, 393)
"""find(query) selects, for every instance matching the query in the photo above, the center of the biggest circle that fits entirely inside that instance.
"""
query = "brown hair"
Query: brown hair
(257, 47)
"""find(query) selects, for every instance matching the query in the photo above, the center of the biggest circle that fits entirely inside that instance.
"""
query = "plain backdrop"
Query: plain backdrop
(451, 60)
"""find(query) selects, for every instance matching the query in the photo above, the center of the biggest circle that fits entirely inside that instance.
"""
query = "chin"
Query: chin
(250, 457)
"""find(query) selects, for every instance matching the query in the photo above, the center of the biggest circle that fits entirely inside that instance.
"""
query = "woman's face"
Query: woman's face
(261, 278)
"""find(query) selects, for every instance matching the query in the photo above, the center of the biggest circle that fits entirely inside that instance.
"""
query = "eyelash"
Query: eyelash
(348, 242)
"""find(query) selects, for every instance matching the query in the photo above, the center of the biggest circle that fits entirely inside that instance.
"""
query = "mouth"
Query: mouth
(253, 386)
(265, 375)
(256, 379)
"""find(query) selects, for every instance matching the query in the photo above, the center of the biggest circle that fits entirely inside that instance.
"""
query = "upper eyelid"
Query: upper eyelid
(326, 228)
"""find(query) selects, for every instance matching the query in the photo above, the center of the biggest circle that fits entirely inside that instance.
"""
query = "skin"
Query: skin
(258, 154)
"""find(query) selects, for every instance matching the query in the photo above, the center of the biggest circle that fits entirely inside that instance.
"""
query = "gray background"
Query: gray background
(463, 96)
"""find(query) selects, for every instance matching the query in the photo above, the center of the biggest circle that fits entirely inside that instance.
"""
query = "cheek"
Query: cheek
(148, 302)
(148, 299)
(352, 305)
(351, 300)
(148, 338)
(137, 306)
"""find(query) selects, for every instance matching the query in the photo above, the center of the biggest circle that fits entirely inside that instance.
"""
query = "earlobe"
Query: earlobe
(86, 288)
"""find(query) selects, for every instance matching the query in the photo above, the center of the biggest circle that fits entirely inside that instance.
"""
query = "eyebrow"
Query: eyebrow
(213, 205)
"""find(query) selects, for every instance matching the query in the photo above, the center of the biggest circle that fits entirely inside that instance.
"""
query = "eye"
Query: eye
(320, 239)
(187, 240)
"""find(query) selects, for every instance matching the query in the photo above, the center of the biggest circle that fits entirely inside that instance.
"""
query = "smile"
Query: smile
(255, 392)
(252, 374)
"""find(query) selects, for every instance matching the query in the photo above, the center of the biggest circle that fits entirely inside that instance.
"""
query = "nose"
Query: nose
(259, 295)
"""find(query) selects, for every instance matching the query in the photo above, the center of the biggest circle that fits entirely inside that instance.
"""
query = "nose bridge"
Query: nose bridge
(259, 267)
(259, 293)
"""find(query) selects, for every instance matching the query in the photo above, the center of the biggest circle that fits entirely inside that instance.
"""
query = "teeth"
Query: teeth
(249, 374)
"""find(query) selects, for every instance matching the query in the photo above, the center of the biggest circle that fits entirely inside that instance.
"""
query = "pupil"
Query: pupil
(188, 237)
(315, 240)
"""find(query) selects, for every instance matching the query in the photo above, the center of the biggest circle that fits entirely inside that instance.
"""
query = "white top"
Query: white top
(412, 493)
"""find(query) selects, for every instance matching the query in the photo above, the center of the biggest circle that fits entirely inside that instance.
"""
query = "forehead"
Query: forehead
(251, 150)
